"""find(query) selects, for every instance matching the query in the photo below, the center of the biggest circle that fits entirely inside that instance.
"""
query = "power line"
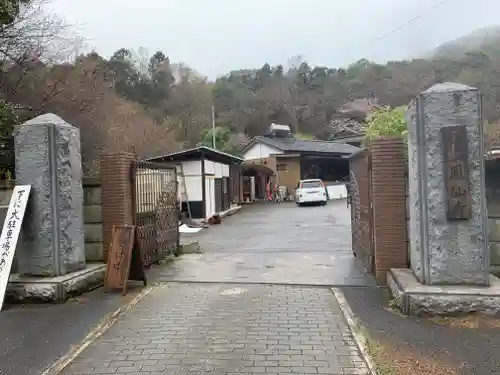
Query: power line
(425, 12)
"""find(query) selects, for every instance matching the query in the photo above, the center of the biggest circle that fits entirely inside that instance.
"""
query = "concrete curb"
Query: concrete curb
(93, 335)
(356, 329)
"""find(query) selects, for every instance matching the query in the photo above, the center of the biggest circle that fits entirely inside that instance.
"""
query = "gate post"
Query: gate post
(117, 193)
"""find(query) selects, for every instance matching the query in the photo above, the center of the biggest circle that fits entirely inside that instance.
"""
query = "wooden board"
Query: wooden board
(10, 234)
(456, 172)
(124, 259)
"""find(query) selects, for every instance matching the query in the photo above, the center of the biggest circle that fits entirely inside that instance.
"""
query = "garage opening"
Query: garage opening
(255, 179)
(329, 169)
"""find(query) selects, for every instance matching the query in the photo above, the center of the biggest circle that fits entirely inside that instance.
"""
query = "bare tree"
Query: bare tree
(190, 104)
(32, 42)
(36, 34)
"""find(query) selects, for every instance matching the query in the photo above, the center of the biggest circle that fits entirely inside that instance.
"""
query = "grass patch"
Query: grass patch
(375, 351)
(167, 260)
(394, 304)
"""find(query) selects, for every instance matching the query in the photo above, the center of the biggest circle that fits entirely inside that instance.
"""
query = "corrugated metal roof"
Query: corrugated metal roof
(209, 152)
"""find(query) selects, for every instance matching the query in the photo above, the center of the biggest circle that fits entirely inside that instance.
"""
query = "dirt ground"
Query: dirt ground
(401, 360)
(404, 360)
(402, 345)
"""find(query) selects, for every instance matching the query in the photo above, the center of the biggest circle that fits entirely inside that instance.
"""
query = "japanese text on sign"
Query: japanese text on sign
(119, 256)
(456, 172)
(10, 234)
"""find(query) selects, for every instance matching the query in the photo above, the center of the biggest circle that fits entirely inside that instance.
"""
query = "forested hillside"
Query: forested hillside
(145, 103)
(485, 39)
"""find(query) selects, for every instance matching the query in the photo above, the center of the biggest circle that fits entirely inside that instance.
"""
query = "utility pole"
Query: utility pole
(213, 128)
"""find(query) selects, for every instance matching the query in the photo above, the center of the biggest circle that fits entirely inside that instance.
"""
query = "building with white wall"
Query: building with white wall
(279, 157)
(204, 177)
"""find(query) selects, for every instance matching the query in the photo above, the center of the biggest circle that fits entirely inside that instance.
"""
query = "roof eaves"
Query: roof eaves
(194, 149)
(248, 144)
(181, 152)
(236, 158)
(356, 154)
(270, 143)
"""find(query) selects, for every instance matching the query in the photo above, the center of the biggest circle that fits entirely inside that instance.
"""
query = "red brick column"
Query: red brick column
(389, 206)
(117, 193)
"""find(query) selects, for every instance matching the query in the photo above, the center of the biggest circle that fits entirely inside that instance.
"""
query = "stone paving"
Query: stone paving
(276, 243)
(218, 329)
(253, 303)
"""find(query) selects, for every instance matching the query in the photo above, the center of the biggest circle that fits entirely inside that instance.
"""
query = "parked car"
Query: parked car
(311, 191)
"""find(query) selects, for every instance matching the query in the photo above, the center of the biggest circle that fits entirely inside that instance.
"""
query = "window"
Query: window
(311, 184)
(281, 167)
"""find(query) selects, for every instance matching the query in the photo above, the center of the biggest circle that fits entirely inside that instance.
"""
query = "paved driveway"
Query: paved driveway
(221, 330)
(275, 243)
(233, 326)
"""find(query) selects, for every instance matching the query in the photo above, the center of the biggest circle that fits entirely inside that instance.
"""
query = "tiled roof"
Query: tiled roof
(296, 145)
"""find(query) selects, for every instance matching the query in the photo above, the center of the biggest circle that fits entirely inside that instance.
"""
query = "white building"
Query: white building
(204, 177)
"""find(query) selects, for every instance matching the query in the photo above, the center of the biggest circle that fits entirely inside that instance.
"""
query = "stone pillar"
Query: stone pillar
(48, 158)
(448, 221)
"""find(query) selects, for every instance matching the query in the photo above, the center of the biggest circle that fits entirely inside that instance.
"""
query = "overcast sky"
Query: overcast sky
(216, 36)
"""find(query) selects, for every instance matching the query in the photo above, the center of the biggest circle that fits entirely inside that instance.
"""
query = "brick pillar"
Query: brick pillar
(389, 206)
(117, 193)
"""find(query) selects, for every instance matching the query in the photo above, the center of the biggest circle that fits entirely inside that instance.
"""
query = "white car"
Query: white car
(311, 191)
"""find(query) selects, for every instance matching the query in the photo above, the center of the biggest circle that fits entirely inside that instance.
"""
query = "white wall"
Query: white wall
(191, 168)
(210, 194)
(337, 191)
(193, 186)
(192, 178)
(193, 182)
(209, 167)
(218, 169)
(260, 151)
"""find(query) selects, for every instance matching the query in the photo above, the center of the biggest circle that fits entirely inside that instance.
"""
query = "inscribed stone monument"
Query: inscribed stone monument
(48, 157)
(448, 220)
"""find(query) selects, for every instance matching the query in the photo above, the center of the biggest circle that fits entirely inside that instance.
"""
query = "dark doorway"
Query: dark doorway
(225, 194)
(261, 174)
(218, 194)
(328, 169)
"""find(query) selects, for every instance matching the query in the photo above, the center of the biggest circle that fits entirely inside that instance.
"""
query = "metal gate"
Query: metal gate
(361, 209)
(156, 210)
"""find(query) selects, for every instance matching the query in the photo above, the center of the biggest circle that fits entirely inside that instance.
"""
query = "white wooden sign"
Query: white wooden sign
(10, 234)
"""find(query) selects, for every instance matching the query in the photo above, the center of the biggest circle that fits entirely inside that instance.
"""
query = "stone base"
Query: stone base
(55, 289)
(414, 298)
(495, 270)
